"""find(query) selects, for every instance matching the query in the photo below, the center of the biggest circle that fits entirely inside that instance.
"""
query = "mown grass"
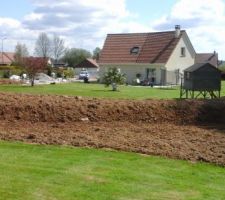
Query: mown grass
(98, 90)
(30, 172)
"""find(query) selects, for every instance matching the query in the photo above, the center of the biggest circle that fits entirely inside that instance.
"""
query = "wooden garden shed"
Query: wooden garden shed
(201, 79)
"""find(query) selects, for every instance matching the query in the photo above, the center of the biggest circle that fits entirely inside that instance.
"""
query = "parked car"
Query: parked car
(83, 74)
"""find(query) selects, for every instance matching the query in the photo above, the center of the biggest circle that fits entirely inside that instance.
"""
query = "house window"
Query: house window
(134, 50)
(183, 52)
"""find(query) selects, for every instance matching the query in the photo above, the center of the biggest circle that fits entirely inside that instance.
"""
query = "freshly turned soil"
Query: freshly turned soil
(189, 129)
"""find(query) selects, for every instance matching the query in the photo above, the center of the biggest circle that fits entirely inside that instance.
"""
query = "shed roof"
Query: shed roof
(155, 47)
(197, 66)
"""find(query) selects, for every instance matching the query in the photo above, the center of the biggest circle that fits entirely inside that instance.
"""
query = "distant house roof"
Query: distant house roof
(155, 47)
(37, 59)
(88, 63)
(7, 59)
(197, 66)
(57, 63)
(211, 58)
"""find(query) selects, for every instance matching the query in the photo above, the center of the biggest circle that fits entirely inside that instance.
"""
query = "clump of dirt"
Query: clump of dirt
(172, 128)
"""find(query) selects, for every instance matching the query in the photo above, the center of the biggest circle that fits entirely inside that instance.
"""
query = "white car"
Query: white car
(83, 74)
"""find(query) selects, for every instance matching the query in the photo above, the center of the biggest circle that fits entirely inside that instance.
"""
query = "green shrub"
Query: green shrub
(69, 73)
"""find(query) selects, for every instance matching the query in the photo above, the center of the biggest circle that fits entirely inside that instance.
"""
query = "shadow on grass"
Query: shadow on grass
(166, 88)
(106, 91)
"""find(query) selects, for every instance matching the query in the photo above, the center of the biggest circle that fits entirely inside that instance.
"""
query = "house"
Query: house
(159, 57)
(7, 58)
(90, 65)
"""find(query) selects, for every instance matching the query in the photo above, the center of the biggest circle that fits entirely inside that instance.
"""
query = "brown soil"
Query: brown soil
(170, 128)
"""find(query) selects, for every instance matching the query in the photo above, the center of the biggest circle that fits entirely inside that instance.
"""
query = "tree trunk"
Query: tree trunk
(32, 82)
(114, 86)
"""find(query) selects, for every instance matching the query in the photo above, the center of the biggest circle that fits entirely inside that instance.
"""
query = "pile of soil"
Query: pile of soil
(190, 129)
(37, 108)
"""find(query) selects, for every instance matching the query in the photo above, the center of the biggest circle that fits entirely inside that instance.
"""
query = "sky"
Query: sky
(85, 23)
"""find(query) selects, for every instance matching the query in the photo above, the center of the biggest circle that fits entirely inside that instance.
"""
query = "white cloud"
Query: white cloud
(204, 21)
(83, 23)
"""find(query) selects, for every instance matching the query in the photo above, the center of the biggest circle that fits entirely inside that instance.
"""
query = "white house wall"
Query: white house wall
(131, 70)
(176, 61)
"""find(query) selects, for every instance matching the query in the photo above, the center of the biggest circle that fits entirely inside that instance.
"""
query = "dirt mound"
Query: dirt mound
(35, 108)
(170, 128)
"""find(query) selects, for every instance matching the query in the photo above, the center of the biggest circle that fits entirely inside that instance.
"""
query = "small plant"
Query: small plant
(114, 77)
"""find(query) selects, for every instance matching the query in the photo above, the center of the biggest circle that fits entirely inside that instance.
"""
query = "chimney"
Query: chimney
(177, 31)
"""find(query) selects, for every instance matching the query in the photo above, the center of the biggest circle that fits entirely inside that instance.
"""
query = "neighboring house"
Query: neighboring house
(211, 58)
(158, 56)
(7, 58)
(89, 65)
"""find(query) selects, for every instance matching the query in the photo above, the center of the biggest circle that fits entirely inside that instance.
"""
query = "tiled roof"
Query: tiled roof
(154, 47)
(88, 63)
(8, 58)
(211, 58)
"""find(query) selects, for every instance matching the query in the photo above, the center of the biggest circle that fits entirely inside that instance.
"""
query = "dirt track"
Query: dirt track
(170, 128)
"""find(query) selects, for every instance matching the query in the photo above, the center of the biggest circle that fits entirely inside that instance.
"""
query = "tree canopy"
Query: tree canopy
(96, 53)
(21, 52)
(114, 77)
(74, 56)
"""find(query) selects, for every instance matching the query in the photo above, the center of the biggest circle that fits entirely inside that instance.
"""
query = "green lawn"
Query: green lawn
(30, 172)
(97, 90)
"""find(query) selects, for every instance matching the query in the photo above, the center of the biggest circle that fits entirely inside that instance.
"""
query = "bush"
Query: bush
(69, 73)
(6, 74)
(114, 77)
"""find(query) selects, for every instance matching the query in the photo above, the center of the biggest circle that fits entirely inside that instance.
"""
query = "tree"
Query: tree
(43, 46)
(114, 77)
(58, 47)
(33, 66)
(21, 52)
(75, 56)
(96, 53)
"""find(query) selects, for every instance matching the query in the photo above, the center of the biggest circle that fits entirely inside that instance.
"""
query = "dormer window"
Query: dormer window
(182, 52)
(134, 50)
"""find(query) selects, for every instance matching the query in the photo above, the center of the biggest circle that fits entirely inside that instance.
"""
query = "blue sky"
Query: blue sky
(85, 23)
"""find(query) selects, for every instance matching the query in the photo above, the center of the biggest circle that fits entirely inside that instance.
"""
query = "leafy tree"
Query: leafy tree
(33, 66)
(75, 56)
(21, 52)
(43, 46)
(58, 47)
(96, 53)
(114, 77)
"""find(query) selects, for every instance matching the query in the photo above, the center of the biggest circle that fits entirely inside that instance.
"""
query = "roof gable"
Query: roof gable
(154, 47)
(207, 58)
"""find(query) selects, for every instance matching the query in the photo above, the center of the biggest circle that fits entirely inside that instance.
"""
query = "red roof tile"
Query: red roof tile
(8, 58)
(154, 47)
